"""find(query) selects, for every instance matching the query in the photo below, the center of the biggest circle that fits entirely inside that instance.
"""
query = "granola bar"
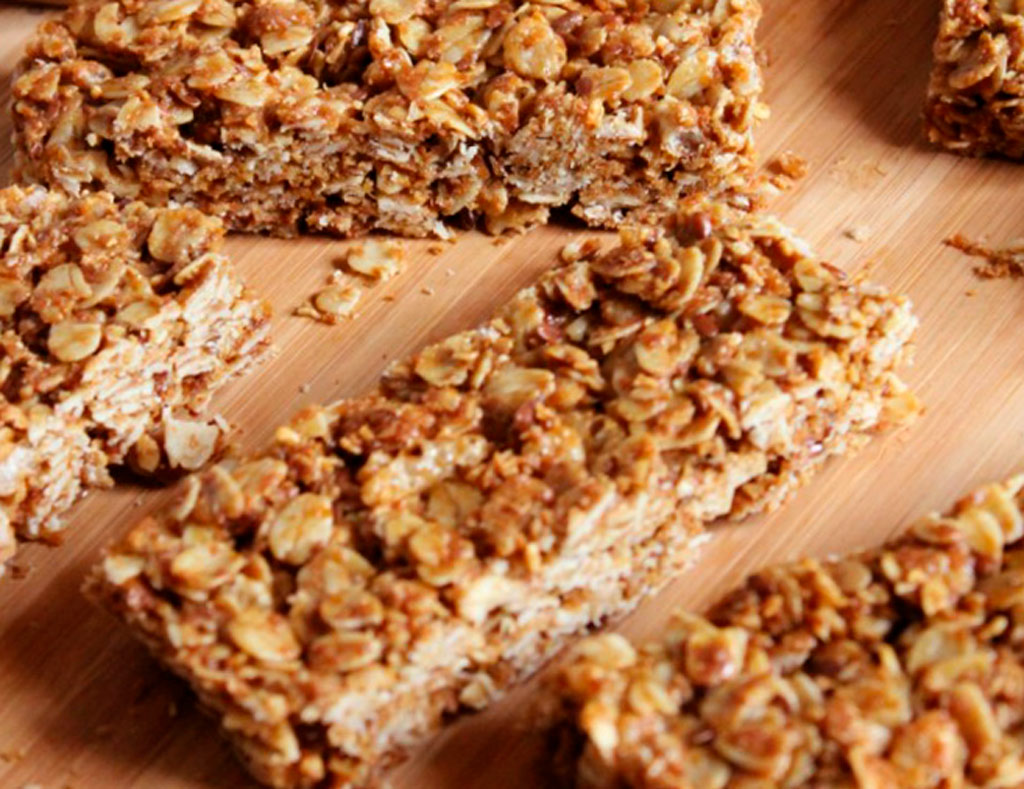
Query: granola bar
(976, 92)
(901, 666)
(285, 116)
(117, 323)
(399, 556)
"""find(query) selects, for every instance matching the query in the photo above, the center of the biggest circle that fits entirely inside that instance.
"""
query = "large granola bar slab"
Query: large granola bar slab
(975, 99)
(899, 667)
(117, 323)
(304, 115)
(399, 556)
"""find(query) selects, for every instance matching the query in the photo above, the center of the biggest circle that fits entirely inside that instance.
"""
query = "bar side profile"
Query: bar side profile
(898, 667)
(977, 82)
(287, 116)
(117, 323)
(396, 557)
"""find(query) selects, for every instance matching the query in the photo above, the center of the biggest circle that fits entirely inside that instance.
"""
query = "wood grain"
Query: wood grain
(83, 706)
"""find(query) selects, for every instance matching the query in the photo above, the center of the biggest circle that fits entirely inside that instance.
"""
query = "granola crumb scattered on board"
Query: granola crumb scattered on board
(858, 233)
(999, 262)
(376, 260)
(409, 553)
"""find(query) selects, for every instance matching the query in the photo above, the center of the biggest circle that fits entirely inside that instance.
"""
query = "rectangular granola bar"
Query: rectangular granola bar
(898, 667)
(117, 323)
(290, 115)
(976, 92)
(398, 556)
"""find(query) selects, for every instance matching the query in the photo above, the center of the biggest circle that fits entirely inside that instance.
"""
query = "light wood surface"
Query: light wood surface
(82, 706)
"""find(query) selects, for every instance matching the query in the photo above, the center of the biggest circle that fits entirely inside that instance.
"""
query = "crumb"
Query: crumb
(304, 388)
(435, 249)
(449, 272)
(969, 293)
(999, 262)
(426, 290)
(779, 175)
(858, 175)
(18, 571)
(789, 164)
(389, 297)
(858, 233)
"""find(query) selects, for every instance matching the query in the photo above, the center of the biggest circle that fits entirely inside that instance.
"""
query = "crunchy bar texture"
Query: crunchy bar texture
(304, 115)
(116, 325)
(975, 101)
(398, 556)
(899, 667)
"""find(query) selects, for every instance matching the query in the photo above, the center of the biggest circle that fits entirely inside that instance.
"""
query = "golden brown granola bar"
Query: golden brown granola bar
(899, 667)
(304, 115)
(399, 556)
(976, 93)
(117, 323)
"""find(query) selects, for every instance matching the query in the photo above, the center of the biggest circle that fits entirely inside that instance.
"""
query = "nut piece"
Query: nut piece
(533, 50)
(182, 234)
(189, 444)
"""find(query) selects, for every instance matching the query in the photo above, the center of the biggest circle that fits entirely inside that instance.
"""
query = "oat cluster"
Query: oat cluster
(898, 667)
(393, 558)
(116, 325)
(341, 117)
(976, 92)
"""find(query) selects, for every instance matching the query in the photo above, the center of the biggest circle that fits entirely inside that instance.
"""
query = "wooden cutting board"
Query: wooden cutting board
(81, 705)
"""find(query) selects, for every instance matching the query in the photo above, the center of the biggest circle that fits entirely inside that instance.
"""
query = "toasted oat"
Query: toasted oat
(394, 557)
(898, 667)
(376, 260)
(118, 324)
(299, 115)
(976, 88)
(338, 300)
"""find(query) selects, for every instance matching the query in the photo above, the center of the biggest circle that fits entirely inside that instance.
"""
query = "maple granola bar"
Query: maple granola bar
(396, 557)
(901, 666)
(303, 115)
(117, 323)
(976, 91)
